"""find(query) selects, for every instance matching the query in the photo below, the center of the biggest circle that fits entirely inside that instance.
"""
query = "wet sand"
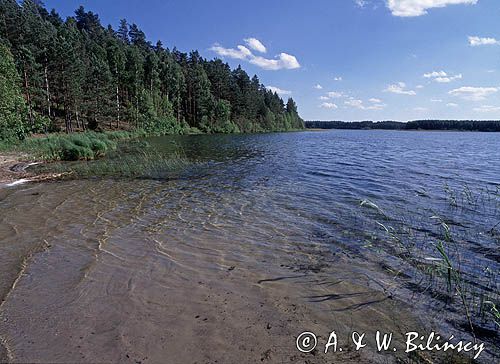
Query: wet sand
(103, 271)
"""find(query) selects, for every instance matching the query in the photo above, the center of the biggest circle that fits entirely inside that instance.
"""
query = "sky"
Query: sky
(339, 59)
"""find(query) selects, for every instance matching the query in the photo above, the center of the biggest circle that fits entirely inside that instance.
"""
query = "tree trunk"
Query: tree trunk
(117, 106)
(28, 96)
(47, 90)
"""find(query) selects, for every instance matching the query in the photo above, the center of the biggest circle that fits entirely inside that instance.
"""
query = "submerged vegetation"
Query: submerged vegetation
(76, 74)
(433, 246)
(136, 159)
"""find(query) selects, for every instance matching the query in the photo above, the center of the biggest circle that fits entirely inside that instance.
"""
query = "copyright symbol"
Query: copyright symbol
(306, 342)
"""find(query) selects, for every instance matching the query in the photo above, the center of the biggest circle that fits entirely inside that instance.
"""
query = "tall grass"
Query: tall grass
(71, 147)
(448, 253)
(131, 159)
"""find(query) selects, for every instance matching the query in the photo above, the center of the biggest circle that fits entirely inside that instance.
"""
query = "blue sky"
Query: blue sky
(341, 59)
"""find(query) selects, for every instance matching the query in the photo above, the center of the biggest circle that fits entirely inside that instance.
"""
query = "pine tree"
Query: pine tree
(122, 32)
(78, 70)
(12, 107)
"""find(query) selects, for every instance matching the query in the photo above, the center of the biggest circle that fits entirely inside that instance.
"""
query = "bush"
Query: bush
(41, 124)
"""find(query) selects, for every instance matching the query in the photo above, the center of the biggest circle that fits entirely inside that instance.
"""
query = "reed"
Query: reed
(433, 245)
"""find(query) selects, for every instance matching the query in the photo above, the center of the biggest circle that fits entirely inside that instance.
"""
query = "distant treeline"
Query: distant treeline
(461, 125)
(76, 74)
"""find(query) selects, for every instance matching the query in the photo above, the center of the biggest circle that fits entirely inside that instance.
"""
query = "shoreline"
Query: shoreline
(14, 170)
(407, 130)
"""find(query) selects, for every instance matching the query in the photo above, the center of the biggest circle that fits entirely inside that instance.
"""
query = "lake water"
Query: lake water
(253, 239)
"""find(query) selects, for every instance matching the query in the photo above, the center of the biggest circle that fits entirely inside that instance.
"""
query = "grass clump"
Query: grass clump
(72, 147)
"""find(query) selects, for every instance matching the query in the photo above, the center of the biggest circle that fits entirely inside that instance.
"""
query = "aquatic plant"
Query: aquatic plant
(432, 246)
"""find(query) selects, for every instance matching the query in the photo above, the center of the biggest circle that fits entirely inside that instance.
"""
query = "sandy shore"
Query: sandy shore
(95, 272)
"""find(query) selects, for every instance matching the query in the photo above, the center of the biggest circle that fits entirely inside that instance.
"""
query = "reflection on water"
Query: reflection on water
(262, 205)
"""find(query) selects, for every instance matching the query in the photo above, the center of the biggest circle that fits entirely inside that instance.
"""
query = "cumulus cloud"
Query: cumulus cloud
(473, 93)
(281, 61)
(435, 74)
(479, 41)
(451, 104)
(442, 76)
(323, 98)
(400, 89)
(241, 52)
(337, 78)
(358, 104)
(284, 61)
(419, 86)
(375, 100)
(360, 3)
(436, 100)
(328, 105)
(487, 108)
(335, 94)
(318, 87)
(278, 90)
(407, 8)
(354, 103)
(256, 45)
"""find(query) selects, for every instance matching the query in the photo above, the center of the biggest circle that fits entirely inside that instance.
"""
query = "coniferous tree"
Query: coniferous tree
(12, 106)
(76, 74)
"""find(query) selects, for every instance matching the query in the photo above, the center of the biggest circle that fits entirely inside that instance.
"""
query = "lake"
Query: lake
(252, 240)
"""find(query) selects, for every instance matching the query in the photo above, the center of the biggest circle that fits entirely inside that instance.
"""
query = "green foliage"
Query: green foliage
(91, 77)
(12, 106)
(41, 124)
(71, 147)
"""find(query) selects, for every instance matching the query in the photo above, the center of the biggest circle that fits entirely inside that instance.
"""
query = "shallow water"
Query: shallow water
(262, 236)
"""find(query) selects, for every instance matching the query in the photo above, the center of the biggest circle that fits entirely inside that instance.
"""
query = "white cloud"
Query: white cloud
(436, 100)
(479, 41)
(241, 53)
(360, 3)
(282, 61)
(406, 8)
(448, 79)
(256, 45)
(400, 89)
(419, 86)
(335, 94)
(473, 93)
(435, 74)
(375, 101)
(328, 105)
(354, 103)
(278, 90)
(487, 108)
(442, 76)
(338, 78)
(451, 104)
(318, 87)
(358, 104)
(323, 98)
(420, 109)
